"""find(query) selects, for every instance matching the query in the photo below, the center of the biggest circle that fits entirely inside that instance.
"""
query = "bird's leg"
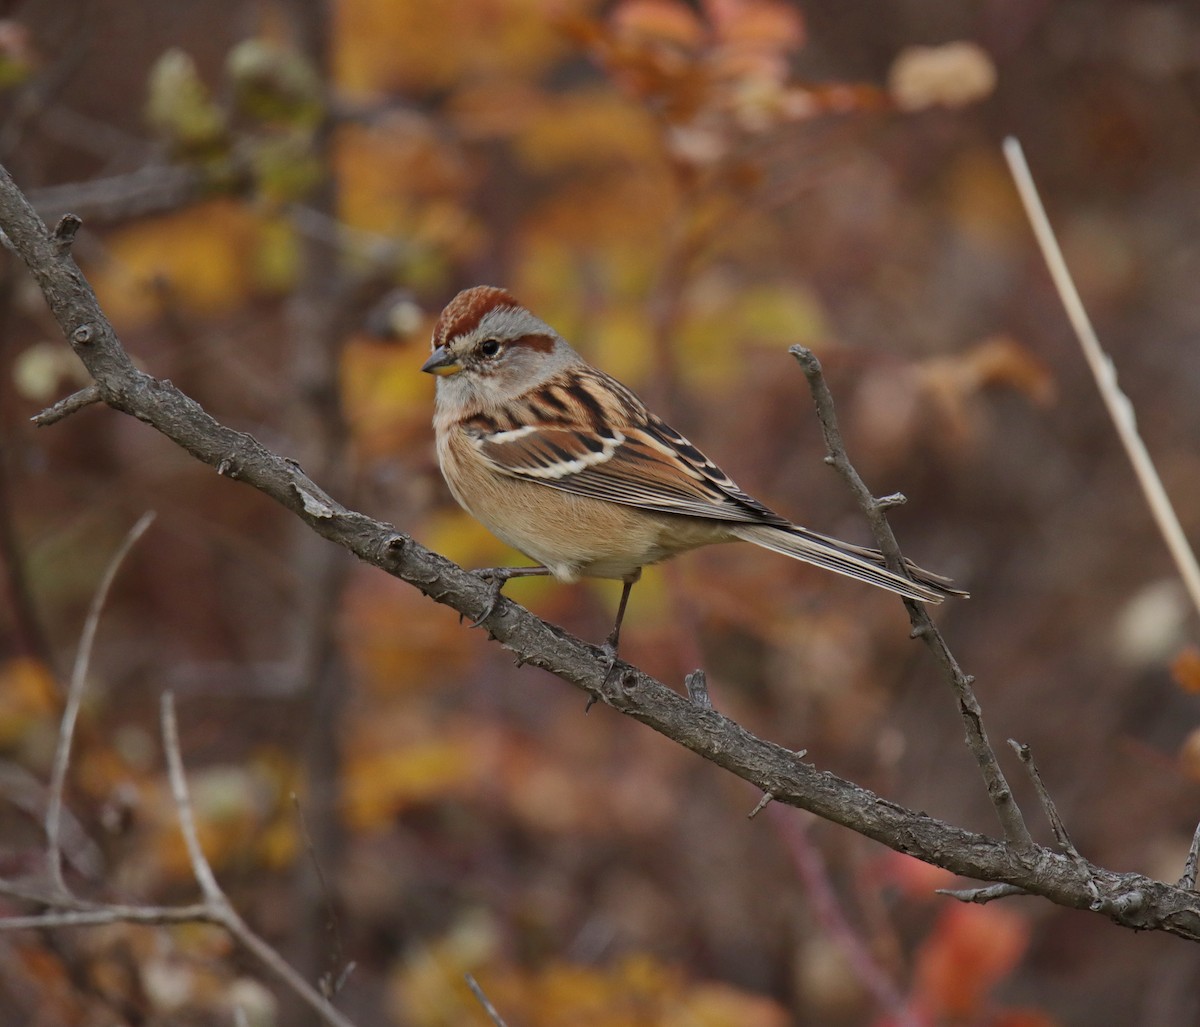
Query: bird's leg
(614, 636)
(498, 577)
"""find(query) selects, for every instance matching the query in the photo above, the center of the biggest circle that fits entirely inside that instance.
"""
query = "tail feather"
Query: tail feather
(853, 561)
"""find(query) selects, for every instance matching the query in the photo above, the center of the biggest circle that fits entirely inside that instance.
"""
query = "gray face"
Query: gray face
(508, 352)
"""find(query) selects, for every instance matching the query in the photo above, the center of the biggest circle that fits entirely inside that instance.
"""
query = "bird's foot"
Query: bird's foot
(610, 658)
(497, 578)
(609, 648)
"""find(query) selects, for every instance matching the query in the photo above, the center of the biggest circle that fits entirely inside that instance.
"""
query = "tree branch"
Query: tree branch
(1129, 899)
(67, 406)
(1007, 811)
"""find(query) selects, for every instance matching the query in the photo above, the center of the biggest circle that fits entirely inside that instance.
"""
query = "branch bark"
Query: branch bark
(1131, 900)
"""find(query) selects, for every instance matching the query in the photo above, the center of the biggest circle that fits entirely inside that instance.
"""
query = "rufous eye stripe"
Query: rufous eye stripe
(535, 342)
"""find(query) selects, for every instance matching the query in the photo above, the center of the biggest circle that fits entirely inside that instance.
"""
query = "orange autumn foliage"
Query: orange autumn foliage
(970, 950)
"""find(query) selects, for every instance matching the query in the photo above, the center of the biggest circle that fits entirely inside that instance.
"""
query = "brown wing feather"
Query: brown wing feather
(596, 438)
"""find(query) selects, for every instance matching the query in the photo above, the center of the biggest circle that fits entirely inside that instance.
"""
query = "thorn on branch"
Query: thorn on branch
(981, 896)
(762, 805)
(65, 231)
(697, 689)
(67, 406)
(887, 502)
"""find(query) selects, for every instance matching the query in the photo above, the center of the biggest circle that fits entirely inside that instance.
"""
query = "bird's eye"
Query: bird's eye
(489, 347)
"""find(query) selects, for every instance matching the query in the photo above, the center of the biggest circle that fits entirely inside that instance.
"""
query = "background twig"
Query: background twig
(217, 907)
(1007, 811)
(1119, 407)
(66, 730)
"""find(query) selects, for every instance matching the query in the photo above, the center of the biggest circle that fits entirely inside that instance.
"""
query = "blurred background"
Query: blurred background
(278, 199)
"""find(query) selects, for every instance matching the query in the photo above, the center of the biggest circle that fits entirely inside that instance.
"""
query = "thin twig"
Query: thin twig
(201, 869)
(982, 896)
(484, 1001)
(761, 805)
(1025, 754)
(67, 406)
(335, 978)
(811, 870)
(217, 905)
(66, 727)
(1007, 811)
(102, 915)
(1119, 407)
(152, 189)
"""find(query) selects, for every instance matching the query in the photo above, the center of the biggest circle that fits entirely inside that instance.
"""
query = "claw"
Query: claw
(498, 579)
(499, 576)
(610, 651)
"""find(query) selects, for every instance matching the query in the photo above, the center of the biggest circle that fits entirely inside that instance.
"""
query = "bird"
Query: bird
(565, 464)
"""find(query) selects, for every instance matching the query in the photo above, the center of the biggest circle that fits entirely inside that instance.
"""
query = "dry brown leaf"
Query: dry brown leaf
(952, 382)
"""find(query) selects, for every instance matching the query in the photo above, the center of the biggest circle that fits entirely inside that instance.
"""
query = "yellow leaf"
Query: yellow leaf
(586, 128)
(385, 45)
(28, 697)
(202, 258)
(387, 401)
(378, 785)
(399, 179)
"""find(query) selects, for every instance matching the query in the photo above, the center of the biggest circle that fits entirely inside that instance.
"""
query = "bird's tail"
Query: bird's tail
(853, 561)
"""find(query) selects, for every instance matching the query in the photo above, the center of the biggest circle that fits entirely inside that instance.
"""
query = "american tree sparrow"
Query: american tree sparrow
(566, 464)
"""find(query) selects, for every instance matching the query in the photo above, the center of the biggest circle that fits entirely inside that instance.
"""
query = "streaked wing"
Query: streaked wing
(587, 434)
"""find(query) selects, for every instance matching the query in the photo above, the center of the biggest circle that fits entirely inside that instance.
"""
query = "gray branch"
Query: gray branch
(1132, 900)
(1007, 811)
